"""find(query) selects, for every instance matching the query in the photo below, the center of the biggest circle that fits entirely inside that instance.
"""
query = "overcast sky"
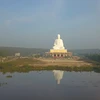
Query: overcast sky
(36, 23)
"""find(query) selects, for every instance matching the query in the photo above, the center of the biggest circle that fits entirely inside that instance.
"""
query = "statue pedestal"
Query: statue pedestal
(58, 51)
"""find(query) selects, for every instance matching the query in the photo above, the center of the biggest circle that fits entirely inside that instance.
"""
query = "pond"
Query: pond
(50, 85)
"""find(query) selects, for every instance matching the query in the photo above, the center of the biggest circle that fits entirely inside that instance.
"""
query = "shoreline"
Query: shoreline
(34, 64)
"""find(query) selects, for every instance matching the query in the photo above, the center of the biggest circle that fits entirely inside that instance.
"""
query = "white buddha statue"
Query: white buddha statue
(58, 44)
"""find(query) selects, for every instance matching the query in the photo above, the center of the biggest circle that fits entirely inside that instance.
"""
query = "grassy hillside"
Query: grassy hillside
(10, 51)
(86, 51)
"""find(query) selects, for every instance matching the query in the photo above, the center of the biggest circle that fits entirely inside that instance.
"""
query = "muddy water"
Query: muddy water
(50, 85)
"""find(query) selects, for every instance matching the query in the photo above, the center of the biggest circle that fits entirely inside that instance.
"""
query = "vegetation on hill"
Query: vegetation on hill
(94, 57)
(10, 51)
(82, 52)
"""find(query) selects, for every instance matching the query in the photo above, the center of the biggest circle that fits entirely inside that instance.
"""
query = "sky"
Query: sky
(36, 23)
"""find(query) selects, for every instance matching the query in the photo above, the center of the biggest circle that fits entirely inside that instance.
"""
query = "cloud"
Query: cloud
(47, 12)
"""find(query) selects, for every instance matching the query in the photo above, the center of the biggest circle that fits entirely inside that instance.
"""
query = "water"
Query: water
(50, 85)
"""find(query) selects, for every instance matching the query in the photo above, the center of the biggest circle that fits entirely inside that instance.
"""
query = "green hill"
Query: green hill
(10, 51)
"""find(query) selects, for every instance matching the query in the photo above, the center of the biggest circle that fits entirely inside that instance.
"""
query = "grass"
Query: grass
(25, 65)
(31, 68)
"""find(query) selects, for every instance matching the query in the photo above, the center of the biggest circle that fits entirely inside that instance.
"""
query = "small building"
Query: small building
(17, 54)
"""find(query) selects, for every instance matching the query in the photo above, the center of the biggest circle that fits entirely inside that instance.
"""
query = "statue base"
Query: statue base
(58, 51)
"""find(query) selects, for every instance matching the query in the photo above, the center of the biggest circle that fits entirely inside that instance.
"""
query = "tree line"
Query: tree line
(94, 57)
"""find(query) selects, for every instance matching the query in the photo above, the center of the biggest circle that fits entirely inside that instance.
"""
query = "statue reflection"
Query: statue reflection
(58, 74)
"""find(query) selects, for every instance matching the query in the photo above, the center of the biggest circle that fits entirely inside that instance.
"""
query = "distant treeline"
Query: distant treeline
(86, 51)
(10, 51)
(3, 53)
(94, 57)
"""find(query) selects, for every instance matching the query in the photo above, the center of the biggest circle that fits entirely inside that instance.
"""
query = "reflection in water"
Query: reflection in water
(9, 76)
(2, 84)
(58, 74)
(41, 86)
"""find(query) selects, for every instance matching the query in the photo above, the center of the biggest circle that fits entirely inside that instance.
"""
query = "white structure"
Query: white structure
(58, 74)
(58, 50)
(17, 54)
(58, 44)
